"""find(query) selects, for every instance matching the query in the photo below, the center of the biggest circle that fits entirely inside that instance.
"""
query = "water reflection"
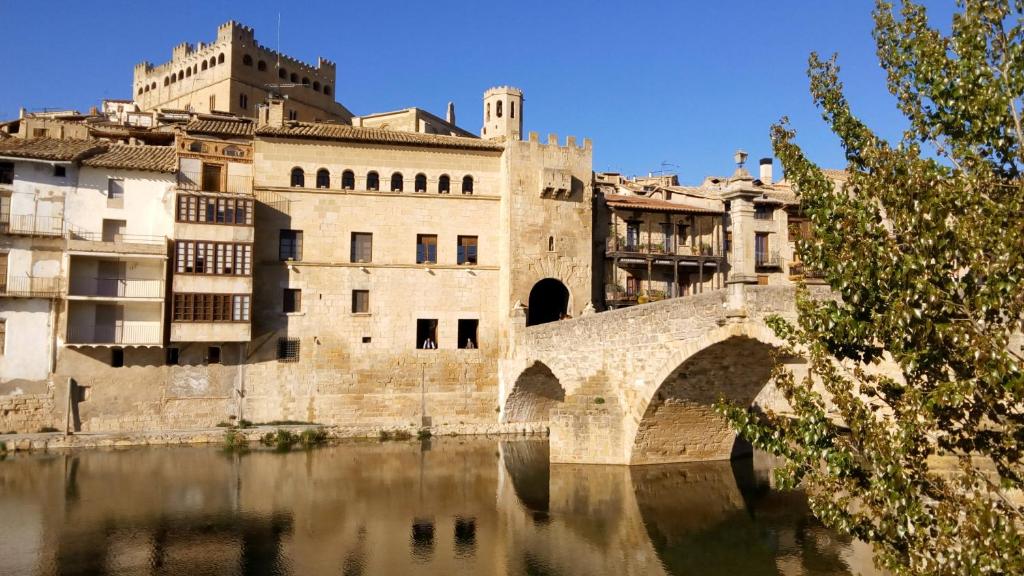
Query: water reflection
(456, 506)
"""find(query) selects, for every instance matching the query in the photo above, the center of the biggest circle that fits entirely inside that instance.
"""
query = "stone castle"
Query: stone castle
(234, 244)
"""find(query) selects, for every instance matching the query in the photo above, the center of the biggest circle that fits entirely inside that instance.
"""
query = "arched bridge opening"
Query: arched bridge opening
(535, 393)
(680, 424)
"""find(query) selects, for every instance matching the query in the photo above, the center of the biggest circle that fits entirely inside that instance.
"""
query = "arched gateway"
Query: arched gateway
(549, 301)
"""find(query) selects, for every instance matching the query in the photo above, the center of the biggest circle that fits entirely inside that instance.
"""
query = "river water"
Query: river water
(445, 506)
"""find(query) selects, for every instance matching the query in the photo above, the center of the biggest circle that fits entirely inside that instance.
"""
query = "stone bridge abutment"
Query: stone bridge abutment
(638, 385)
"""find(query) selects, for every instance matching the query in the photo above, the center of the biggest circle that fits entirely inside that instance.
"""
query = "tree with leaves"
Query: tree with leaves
(923, 247)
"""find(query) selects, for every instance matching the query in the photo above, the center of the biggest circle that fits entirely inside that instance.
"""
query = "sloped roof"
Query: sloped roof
(346, 133)
(243, 128)
(51, 148)
(150, 158)
(645, 204)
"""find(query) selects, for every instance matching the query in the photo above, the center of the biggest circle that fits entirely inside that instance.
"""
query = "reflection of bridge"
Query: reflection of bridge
(637, 385)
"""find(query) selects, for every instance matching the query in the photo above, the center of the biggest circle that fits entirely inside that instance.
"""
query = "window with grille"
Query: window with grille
(426, 248)
(220, 258)
(362, 247)
(288, 349)
(290, 245)
(360, 301)
(467, 249)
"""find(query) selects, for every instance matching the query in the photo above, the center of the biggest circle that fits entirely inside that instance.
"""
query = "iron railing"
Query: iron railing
(117, 287)
(30, 287)
(656, 248)
(32, 225)
(233, 183)
(767, 260)
(116, 238)
(127, 333)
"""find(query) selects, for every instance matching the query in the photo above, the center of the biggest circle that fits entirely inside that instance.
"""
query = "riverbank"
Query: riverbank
(55, 441)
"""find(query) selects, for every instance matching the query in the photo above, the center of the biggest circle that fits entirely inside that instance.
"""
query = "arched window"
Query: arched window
(298, 178)
(512, 109)
(233, 151)
(146, 89)
(174, 78)
(323, 178)
(282, 73)
(397, 182)
(420, 184)
(197, 147)
(327, 89)
(140, 90)
(497, 109)
(348, 180)
(220, 58)
(294, 78)
(305, 81)
(488, 107)
(213, 61)
(153, 86)
(372, 181)
(166, 81)
(551, 243)
(195, 69)
(261, 66)
(205, 65)
(444, 184)
(181, 75)
(467, 185)
(188, 72)
(247, 60)
(316, 86)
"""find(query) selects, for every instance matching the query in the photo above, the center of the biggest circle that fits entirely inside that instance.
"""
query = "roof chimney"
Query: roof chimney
(451, 113)
(766, 171)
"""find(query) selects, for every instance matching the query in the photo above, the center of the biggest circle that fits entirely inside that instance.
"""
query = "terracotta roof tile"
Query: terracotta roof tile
(51, 148)
(654, 205)
(242, 128)
(150, 158)
(343, 132)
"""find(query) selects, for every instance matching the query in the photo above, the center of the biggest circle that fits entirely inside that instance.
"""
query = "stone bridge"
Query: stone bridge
(637, 385)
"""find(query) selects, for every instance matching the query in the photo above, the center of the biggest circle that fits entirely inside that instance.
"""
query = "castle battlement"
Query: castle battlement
(570, 142)
(503, 90)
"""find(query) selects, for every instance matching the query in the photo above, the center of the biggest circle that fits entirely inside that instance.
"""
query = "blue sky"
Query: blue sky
(683, 83)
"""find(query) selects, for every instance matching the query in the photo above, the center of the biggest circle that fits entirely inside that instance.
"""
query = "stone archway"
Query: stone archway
(535, 392)
(549, 301)
(680, 424)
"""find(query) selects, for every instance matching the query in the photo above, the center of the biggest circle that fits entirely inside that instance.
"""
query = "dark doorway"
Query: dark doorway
(549, 300)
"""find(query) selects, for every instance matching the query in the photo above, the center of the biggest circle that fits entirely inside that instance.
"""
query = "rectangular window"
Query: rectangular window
(290, 245)
(667, 245)
(208, 210)
(3, 336)
(292, 300)
(632, 236)
(426, 334)
(115, 193)
(211, 307)
(172, 357)
(3, 277)
(213, 102)
(243, 101)
(426, 248)
(117, 358)
(288, 349)
(113, 230)
(362, 247)
(211, 177)
(467, 249)
(760, 248)
(360, 301)
(6, 172)
(468, 334)
(683, 234)
(60, 171)
(213, 354)
(764, 211)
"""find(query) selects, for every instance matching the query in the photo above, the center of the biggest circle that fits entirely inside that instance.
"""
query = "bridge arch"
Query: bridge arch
(676, 420)
(534, 393)
(549, 301)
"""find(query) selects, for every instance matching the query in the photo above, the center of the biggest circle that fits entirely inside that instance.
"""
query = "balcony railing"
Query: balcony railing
(799, 269)
(117, 287)
(30, 287)
(32, 225)
(658, 248)
(767, 260)
(128, 333)
(117, 238)
(233, 183)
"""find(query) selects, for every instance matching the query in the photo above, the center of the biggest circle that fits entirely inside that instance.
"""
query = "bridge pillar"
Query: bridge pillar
(743, 259)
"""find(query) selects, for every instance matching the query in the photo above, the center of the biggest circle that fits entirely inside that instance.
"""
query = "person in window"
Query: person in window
(428, 344)
(469, 344)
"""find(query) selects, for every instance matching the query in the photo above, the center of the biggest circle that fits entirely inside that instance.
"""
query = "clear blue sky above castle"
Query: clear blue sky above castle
(683, 83)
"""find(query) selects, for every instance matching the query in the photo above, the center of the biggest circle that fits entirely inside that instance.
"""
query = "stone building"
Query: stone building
(233, 74)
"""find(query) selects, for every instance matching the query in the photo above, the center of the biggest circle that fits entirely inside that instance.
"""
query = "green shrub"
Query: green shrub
(235, 441)
(281, 440)
(384, 436)
(223, 424)
(243, 423)
(423, 434)
(599, 400)
(402, 435)
(312, 437)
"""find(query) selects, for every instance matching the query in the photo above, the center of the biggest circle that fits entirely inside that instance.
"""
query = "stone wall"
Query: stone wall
(25, 413)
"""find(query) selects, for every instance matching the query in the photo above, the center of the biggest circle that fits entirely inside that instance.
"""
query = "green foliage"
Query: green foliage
(281, 440)
(235, 441)
(3, 447)
(423, 433)
(312, 437)
(599, 400)
(243, 423)
(384, 436)
(924, 245)
(402, 435)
